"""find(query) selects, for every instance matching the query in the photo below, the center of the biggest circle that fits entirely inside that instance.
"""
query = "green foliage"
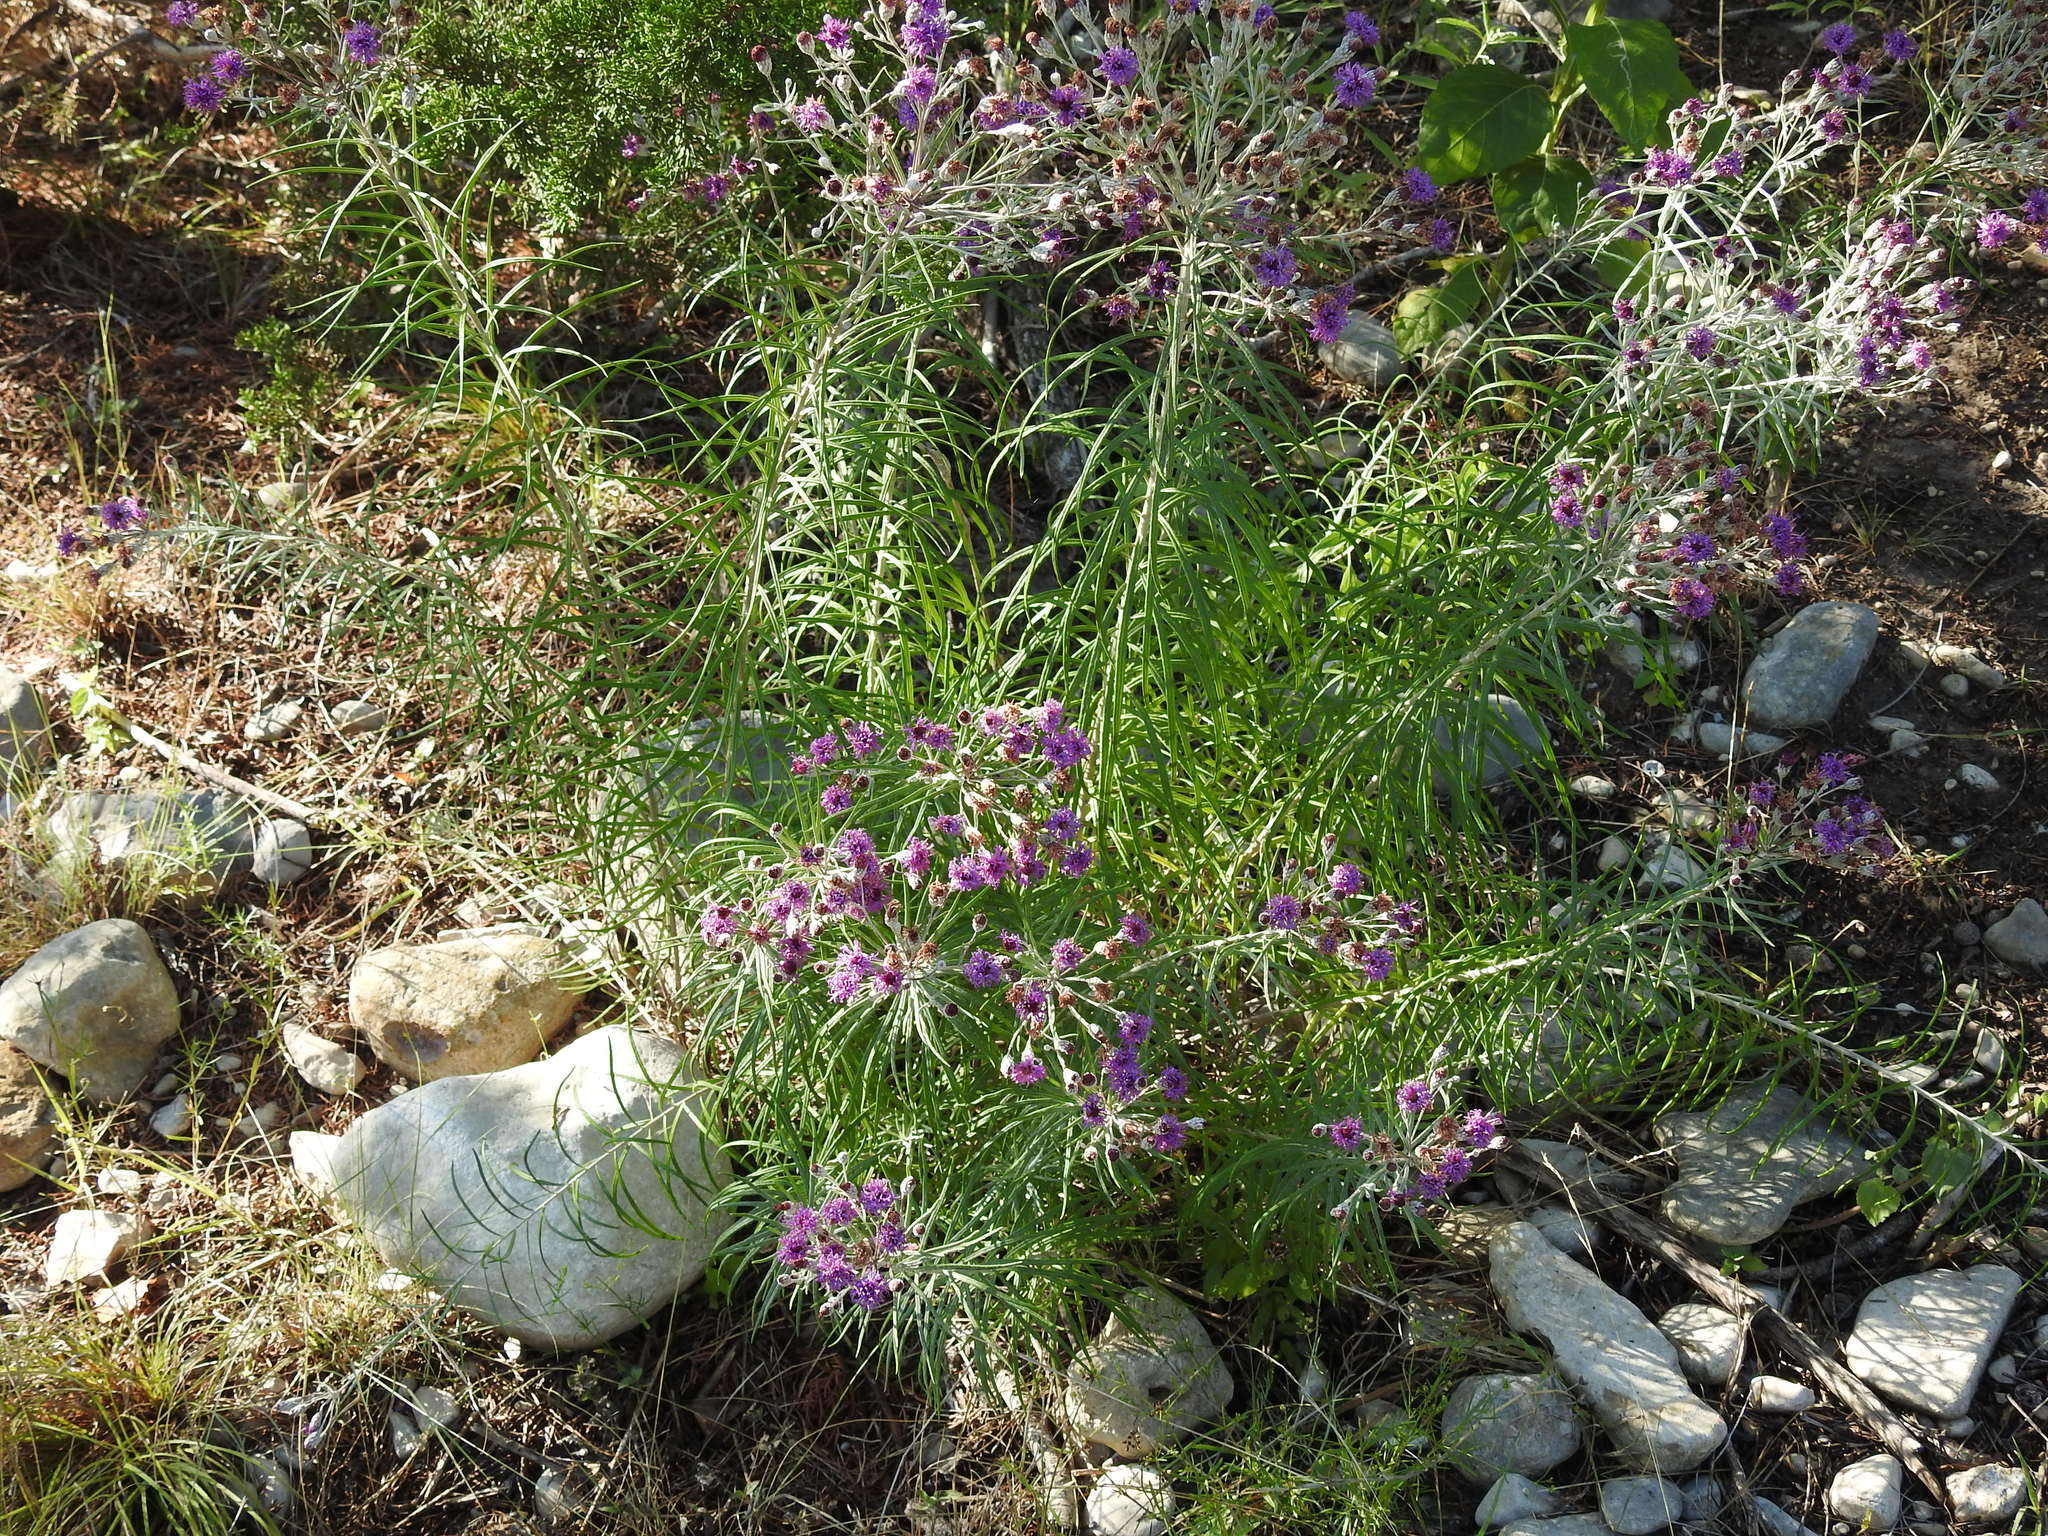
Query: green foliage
(1540, 195)
(1482, 118)
(1630, 69)
(550, 89)
(305, 387)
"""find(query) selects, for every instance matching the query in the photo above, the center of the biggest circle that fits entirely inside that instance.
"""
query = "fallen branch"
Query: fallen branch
(1898, 1436)
(216, 776)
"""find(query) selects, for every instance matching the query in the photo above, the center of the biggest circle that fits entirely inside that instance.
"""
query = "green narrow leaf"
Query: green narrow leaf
(1631, 70)
(1539, 195)
(1480, 119)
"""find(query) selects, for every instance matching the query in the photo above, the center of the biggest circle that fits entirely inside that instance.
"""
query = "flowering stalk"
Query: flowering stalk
(1421, 1152)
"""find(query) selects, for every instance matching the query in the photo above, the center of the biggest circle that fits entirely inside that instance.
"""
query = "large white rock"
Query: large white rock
(1626, 1371)
(523, 1195)
(1496, 1425)
(85, 1244)
(477, 1003)
(28, 1124)
(1924, 1340)
(26, 746)
(95, 1005)
(1987, 1494)
(1131, 1500)
(1151, 1375)
(1869, 1494)
(1743, 1166)
(1708, 1340)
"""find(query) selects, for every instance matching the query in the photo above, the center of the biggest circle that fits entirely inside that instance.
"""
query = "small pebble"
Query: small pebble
(227, 1061)
(174, 1120)
(1956, 686)
(274, 723)
(1983, 780)
(1990, 1052)
(357, 717)
(1774, 1394)
(2004, 1370)
(1591, 786)
(1967, 932)
(1959, 1429)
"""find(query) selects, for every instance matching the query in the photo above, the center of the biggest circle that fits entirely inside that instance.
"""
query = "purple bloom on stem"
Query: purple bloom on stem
(1455, 1165)
(1063, 749)
(69, 541)
(1282, 912)
(1378, 964)
(1693, 599)
(1353, 85)
(1786, 541)
(870, 1292)
(1122, 1074)
(1443, 235)
(1417, 186)
(1901, 47)
(203, 93)
(1839, 38)
(1119, 66)
(1062, 825)
(363, 42)
(1077, 860)
(925, 36)
(182, 13)
(1995, 230)
(983, 969)
(1134, 930)
(1347, 880)
(1834, 769)
(1788, 580)
(837, 1211)
(1699, 343)
(228, 66)
(1026, 1070)
(792, 1248)
(1348, 1134)
(1160, 280)
(1727, 164)
(122, 514)
(836, 34)
(877, 1196)
(1134, 1028)
(1170, 1135)
(630, 146)
(835, 799)
(1330, 313)
(1173, 1084)
(1275, 267)
(1834, 837)
(1694, 548)
(2034, 209)
(1669, 167)
(1854, 82)
(1066, 954)
(890, 1236)
(1414, 1096)
(1361, 28)
(1481, 1129)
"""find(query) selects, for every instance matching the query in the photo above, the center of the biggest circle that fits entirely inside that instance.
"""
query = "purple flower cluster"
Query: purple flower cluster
(361, 42)
(1333, 911)
(1798, 815)
(1424, 1152)
(117, 519)
(848, 1245)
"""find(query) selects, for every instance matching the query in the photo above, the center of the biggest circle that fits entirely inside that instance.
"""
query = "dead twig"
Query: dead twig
(216, 776)
(1752, 1309)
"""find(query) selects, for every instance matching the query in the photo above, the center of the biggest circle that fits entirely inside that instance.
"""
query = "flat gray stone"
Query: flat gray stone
(1743, 1166)
(274, 722)
(188, 843)
(1490, 740)
(26, 744)
(1494, 1425)
(1149, 1378)
(85, 1244)
(1924, 1340)
(1724, 740)
(1626, 1371)
(1363, 353)
(357, 717)
(1559, 1525)
(1513, 1497)
(330, 1067)
(93, 1005)
(563, 1201)
(2021, 936)
(1804, 671)
(1708, 1340)
(1636, 1506)
(1773, 1518)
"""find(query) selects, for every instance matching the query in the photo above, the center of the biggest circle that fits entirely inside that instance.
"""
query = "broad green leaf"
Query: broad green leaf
(1540, 195)
(1425, 315)
(1622, 265)
(1631, 70)
(1877, 1200)
(1479, 119)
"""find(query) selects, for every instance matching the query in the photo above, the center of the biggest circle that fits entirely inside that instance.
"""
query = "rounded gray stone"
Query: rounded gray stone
(1488, 742)
(283, 852)
(1494, 1425)
(1363, 353)
(26, 744)
(93, 1005)
(2021, 936)
(1803, 672)
(1636, 1506)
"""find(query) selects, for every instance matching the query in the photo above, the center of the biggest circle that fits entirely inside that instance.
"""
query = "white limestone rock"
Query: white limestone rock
(1743, 1166)
(1501, 1424)
(1924, 1340)
(1708, 1340)
(1150, 1377)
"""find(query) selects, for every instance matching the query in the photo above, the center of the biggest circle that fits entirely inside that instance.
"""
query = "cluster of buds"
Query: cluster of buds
(1336, 913)
(849, 1245)
(1420, 1154)
(118, 522)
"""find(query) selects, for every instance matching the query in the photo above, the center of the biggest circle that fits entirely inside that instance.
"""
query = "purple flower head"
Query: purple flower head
(1275, 267)
(1901, 47)
(1428, 1186)
(1330, 313)
(1353, 85)
(1347, 880)
(1118, 308)
(1026, 1070)
(862, 739)
(877, 1196)
(1065, 748)
(1119, 66)
(1134, 1028)
(983, 969)
(1443, 236)
(1786, 302)
(833, 1272)
(1076, 860)
(1122, 1074)
(69, 541)
(835, 799)
(630, 146)
(1348, 1134)
(1092, 1114)
(1378, 964)
(2034, 208)
(837, 1212)
(1362, 29)
(890, 1236)
(1062, 825)
(1918, 354)
(948, 826)
(836, 34)
(228, 66)
(1834, 128)
(363, 42)
(1481, 1129)
(1995, 230)
(1067, 953)
(1786, 541)
(1839, 38)
(203, 93)
(182, 13)
(870, 1292)
(1455, 1165)
(1669, 167)
(1693, 599)
(1170, 1135)
(1414, 1096)
(1282, 912)
(1788, 581)
(1134, 930)
(1700, 343)
(1160, 280)
(925, 35)
(1694, 548)
(1173, 1084)
(792, 1249)
(1417, 186)
(122, 515)
(1853, 82)
(1834, 836)
(1262, 13)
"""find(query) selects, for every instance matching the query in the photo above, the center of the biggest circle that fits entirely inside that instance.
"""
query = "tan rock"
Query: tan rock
(474, 1004)
(27, 1122)
(95, 1005)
